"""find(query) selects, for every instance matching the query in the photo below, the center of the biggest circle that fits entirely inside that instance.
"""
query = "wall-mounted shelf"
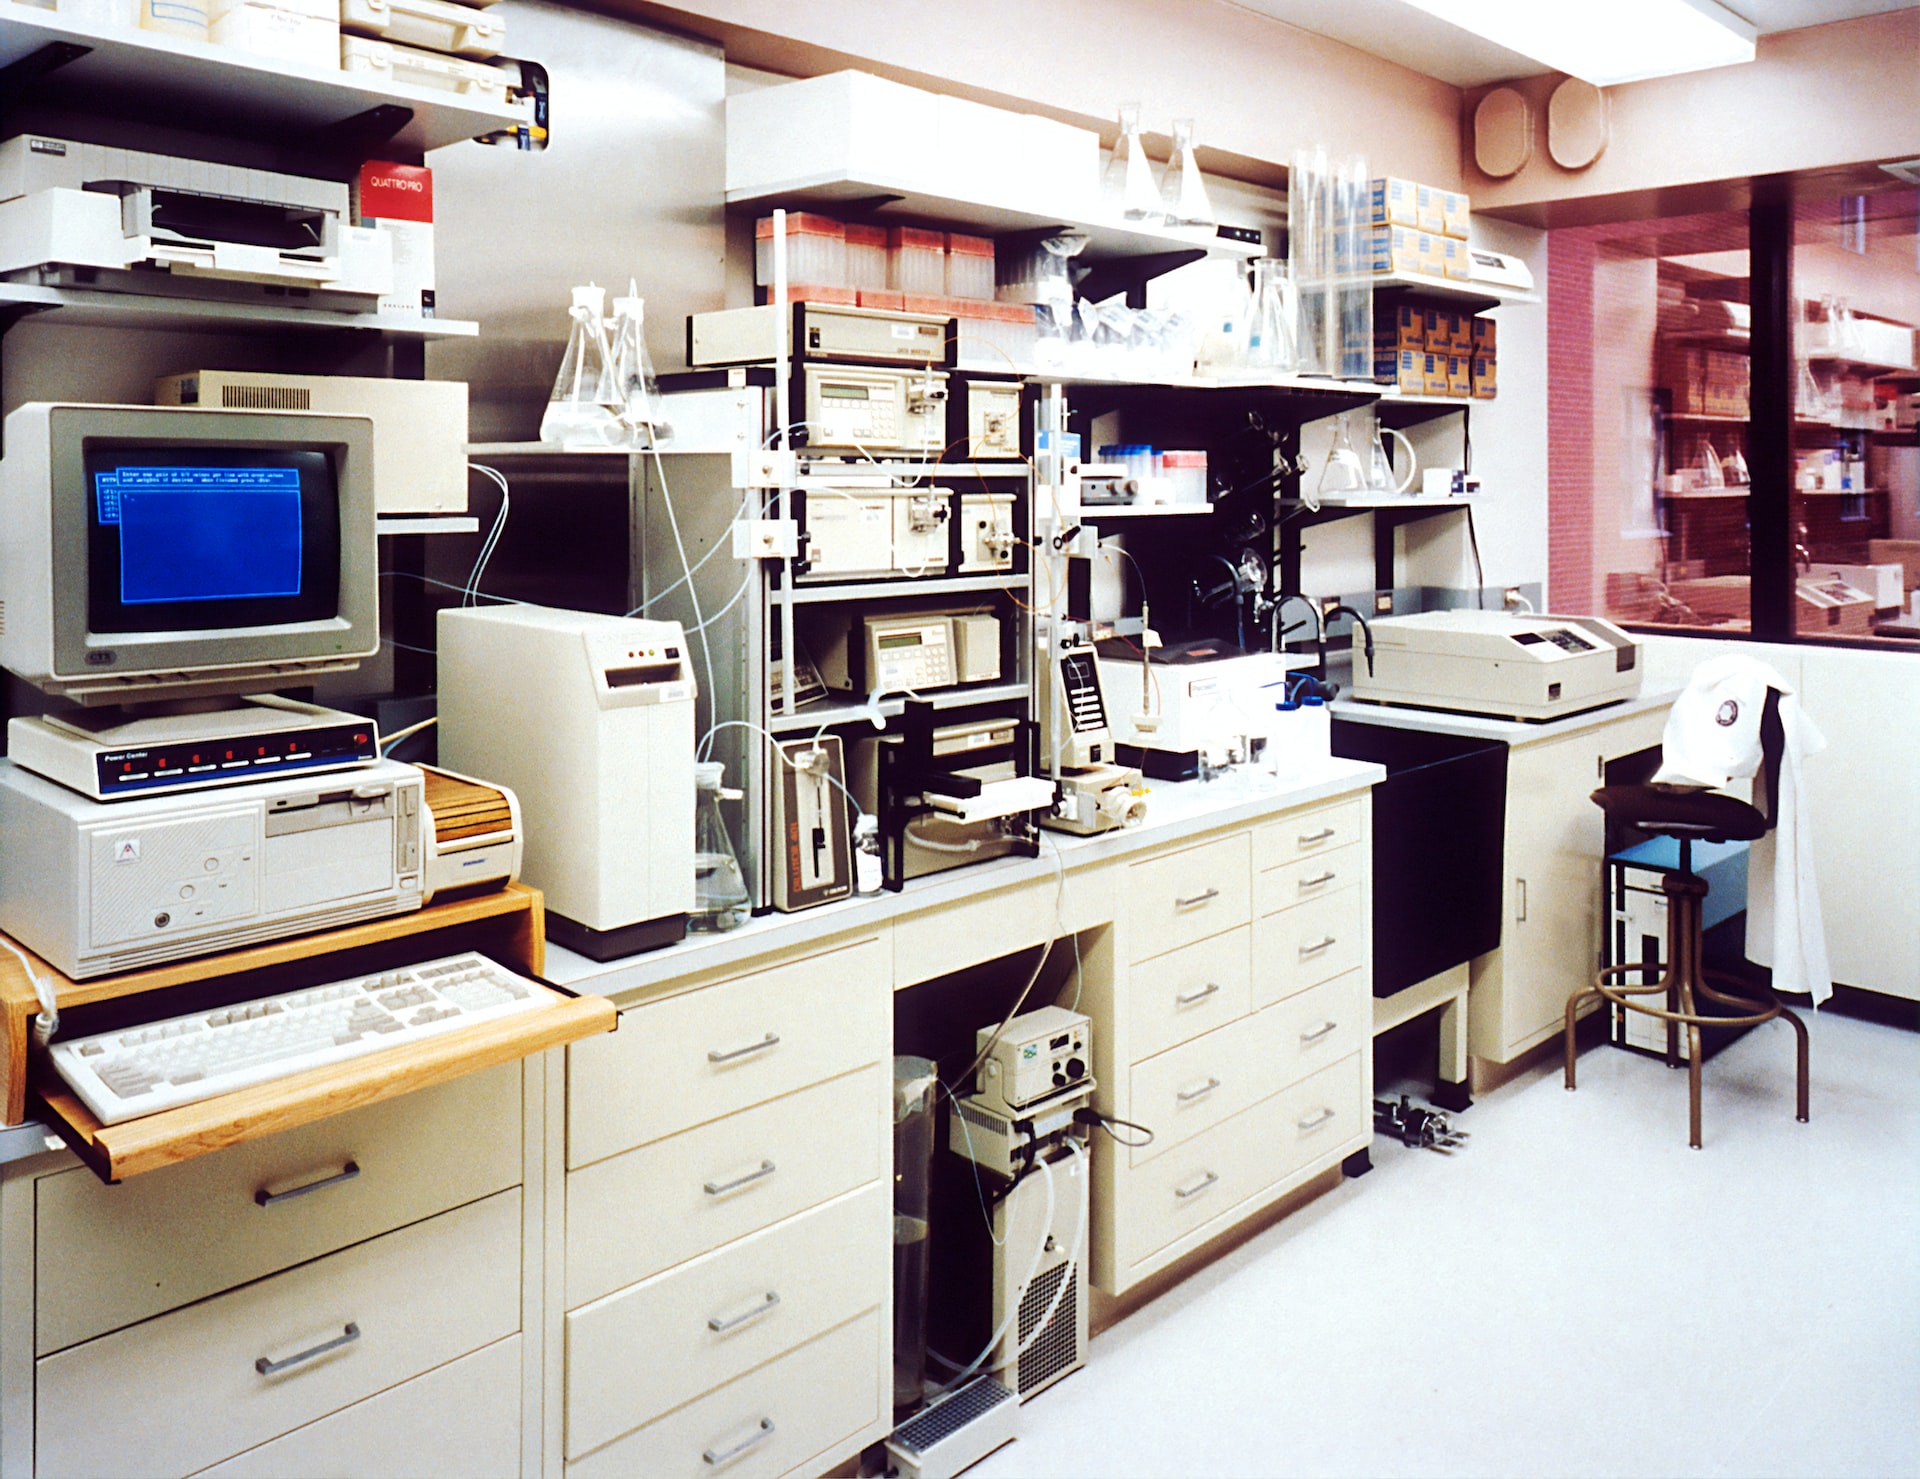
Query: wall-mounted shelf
(1370, 501)
(940, 585)
(549, 449)
(426, 524)
(875, 198)
(1483, 295)
(90, 308)
(1686, 418)
(816, 715)
(195, 84)
(1095, 513)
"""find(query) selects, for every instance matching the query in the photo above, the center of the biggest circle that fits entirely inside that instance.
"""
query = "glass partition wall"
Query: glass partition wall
(1731, 444)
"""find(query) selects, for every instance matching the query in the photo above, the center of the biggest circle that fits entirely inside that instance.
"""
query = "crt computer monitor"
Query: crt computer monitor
(152, 553)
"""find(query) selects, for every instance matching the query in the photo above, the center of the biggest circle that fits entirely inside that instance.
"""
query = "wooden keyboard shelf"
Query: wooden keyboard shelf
(508, 925)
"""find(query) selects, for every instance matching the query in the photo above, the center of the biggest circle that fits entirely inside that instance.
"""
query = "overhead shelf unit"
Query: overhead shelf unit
(216, 89)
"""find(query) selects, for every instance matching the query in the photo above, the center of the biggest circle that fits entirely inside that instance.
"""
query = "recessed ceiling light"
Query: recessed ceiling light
(1618, 41)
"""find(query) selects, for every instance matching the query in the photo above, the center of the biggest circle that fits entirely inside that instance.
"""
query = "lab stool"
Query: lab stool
(1687, 817)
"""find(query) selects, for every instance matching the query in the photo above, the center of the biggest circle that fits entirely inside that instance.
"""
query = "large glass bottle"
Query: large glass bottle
(720, 899)
(581, 412)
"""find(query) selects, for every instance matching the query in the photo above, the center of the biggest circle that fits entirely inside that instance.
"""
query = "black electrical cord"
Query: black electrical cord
(1106, 1122)
(1479, 570)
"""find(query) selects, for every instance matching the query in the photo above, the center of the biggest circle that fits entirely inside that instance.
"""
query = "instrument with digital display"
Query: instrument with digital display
(1499, 663)
(874, 410)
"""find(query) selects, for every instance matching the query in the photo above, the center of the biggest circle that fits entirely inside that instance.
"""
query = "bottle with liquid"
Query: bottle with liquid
(1183, 193)
(583, 409)
(1128, 184)
(720, 899)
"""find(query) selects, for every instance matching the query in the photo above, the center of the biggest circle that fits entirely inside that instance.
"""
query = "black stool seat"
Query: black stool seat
(1706, 816)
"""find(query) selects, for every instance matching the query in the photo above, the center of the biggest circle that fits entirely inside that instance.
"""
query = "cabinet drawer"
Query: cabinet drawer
(1318, 1117)
(695, 1057)
(1193, 1087)
(789, 1413)
(110, 1255)
(1299, 947)
(1183, 1190)
(636, 1214)
(1179, 995)
(1306, 879)
(182, 1391)
(459, 1421)
(720, 1316)
(1320, 1025)
(1183, 896)
(1310, 833)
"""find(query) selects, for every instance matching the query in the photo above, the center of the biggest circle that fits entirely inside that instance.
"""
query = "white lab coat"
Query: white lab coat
(1712, 739)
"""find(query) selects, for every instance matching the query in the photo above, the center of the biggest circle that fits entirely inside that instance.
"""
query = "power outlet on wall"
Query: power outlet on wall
(1383, 603)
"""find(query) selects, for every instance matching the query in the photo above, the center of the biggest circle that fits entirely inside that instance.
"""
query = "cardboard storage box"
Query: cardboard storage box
(1398, 249)
(1459, 376)
(1453, 214)
(397, 200)
(1486, 379)
(1403, 370)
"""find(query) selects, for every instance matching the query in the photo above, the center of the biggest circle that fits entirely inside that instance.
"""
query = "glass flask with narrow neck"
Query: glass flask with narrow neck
(1271, 320)
(720, 899)
(581, 412)
(1183, 194)
(1128, 185)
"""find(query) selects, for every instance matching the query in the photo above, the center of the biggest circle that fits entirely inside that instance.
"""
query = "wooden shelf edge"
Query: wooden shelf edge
(133, 1147)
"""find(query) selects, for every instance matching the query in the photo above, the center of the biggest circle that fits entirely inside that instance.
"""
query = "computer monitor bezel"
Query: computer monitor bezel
(75, 662)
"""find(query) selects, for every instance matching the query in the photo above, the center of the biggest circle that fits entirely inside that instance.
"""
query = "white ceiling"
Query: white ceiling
(1401, 33)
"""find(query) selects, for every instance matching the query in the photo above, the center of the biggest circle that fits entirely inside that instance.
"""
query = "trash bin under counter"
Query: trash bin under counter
(1439, 823)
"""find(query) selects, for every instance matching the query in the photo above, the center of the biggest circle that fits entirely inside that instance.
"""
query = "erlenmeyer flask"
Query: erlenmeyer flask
(1380, 474)
(1733, 468)
(719, 890)
(1343, 472)
(1183, 192)
(636, 392)
(1128, 185)
(1270, 323)
(1710, 474)
(580, 412)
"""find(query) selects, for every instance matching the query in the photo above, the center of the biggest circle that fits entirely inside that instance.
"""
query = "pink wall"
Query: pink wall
(1256, 87)
(1813, 100)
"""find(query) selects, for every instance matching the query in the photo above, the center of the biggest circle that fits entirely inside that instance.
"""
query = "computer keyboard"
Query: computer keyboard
(162, 1065)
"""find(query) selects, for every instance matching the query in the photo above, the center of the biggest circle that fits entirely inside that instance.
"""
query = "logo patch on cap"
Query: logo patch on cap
(1727, 715)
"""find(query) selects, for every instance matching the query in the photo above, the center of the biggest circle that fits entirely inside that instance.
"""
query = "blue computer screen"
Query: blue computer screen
(203, 533)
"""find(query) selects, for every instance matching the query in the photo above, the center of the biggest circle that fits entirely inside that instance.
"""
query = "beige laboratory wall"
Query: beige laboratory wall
(1815, 100)
(1257, 88)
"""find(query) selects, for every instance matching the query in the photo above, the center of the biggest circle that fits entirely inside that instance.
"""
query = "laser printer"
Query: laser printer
(1499, 663)
(78, 215)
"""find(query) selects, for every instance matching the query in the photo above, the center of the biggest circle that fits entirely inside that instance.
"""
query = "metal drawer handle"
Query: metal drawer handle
(1212, 893)
(1308, 839)
(721, 1188)
(1318, 1032)
(1188, 998)
(1326, 944)
(265, 1198)
(745, 1446)
(771, 1040)
(347, 1336)
(1326, 877)
(1183, 1192)
(765, 1307)
(1187, 1096)
(1314, 1121)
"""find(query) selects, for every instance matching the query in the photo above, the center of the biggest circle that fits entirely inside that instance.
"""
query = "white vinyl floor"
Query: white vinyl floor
(1576, 1293)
